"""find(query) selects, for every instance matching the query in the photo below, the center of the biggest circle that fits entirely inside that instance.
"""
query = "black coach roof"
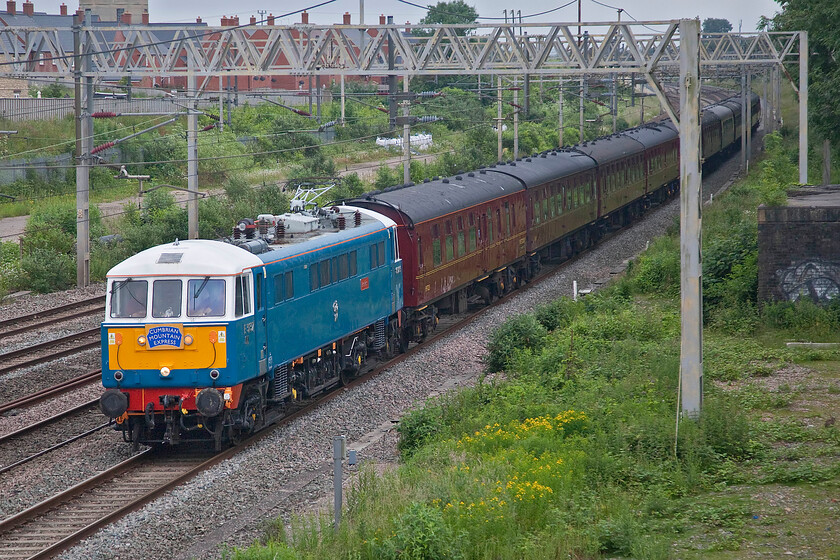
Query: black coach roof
(611, 148)
(440, 197)
(653, 135)
(542, 168)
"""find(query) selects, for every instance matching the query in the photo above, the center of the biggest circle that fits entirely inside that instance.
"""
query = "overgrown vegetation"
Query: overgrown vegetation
(571, 450)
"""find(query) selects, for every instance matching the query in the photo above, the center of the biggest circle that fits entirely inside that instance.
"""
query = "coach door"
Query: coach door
(260, 327)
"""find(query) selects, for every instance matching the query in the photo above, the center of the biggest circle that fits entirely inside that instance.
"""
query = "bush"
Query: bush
(421, 534)
(517, 333)
(48, 271)
(11, 274)
(658, 269)
(557, 314)
(418, 427)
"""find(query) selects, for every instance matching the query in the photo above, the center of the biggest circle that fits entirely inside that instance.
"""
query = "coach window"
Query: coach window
(450, 248)
(420, 258)
(462, 244)
(536, 211)
(436, 252)
(128, 298)
(489, 226)
(472, 239)
(166, 298)
(507, 217)
(499, 222)
(206, 297)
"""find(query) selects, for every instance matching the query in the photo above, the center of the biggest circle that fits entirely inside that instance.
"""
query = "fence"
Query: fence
(26, 108)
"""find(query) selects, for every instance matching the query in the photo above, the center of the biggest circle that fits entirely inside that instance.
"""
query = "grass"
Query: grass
(572, 452)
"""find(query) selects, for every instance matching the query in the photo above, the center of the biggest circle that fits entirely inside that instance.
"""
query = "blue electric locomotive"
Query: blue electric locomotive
(203, 337)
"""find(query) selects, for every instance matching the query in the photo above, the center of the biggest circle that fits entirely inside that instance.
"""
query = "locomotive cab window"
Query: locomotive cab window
(166, 298)
(242, 302)
(206, 297)
(128, 298)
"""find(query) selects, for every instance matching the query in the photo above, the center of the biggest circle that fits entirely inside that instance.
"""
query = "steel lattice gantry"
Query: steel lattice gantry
(652, 48)
(534, 48)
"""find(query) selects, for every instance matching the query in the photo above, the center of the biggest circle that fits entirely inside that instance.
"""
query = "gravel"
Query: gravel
(290, 471)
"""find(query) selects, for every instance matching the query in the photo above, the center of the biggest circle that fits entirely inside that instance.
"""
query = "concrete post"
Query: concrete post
(826, 162)
(744, 121)
(192, 152)
(515, 119)
(499, 115)
(406, 136)
(582, 91)
(84, 144)
(339, 443)
(691, 307)
(342, 101)
(749, 117)
(803, 107)
(560, 112)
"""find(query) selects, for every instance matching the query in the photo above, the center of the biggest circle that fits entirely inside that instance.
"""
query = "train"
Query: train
(209, 340)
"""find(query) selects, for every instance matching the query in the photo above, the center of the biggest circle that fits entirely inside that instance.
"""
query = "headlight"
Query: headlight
(188, 340)
(141, 340)
(118, 376)
(214, 374)
(164, 371)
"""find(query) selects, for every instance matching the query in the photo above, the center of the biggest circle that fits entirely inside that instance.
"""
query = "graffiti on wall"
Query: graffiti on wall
(812, 279)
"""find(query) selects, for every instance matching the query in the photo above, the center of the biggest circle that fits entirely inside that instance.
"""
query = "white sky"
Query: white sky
(745, 11)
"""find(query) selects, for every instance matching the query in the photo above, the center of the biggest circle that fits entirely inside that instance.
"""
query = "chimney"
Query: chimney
(63, 9)
(234, 21)
(80, 15)
(198, 19)
(224, 21)
(126, 18)
(304, 17)
(346, 18)
(144, 17)
(408, 27)
(10, 7)
(253, 20)
(382, 19)
(270, 20)
(28, 8)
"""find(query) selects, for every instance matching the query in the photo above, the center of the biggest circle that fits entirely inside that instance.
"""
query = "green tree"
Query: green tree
(454, 12)
(716, 25)
(819, 18)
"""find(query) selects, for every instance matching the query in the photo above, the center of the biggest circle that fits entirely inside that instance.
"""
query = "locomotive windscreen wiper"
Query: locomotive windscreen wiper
(201, 287)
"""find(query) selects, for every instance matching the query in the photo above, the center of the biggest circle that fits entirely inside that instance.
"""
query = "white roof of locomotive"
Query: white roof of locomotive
(196, 257)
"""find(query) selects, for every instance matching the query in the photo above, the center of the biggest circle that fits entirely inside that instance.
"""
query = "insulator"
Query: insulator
(103, 115)
(327, 125)
(263, 227)
(101, 147)
(382, 109)
(280, 230)
(429, 94)
(237, 234)
(357, 219)
(428, 119)
(208, 127)
(301, 113)
(212, 117)
(342, 222)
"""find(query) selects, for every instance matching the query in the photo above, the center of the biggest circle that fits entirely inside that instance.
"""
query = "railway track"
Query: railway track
(47, 351)
(50, 392)
(33, 321)
(63, 520)
(46, 422)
